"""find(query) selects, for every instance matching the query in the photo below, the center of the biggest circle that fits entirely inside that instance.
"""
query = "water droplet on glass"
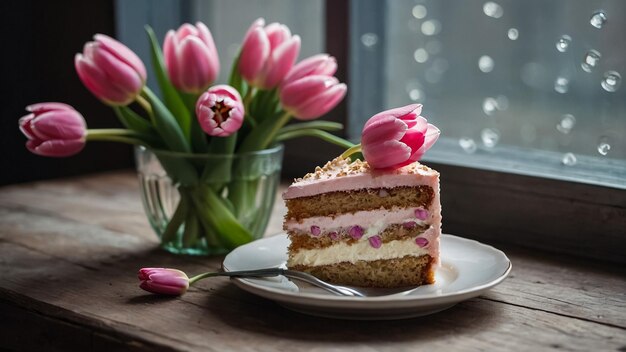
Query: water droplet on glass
(611, 82)
(591, 59)
(468, 145)
(598, 19)
(566, 124)
(419, 11)
(513, 33)
(369, 40)
(440, 65)
(420, 55)
(490, 137)
(412, 84)
(416, 94)
(485, 63)
(561, 85)
(502, 102)
(433, 47)
(603, 146)
(492, 9)
(490, 105)
(569, 159)
(432, 75)
(431, 27)
(563, 43)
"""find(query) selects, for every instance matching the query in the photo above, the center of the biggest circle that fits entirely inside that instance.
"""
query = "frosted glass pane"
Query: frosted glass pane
(538, 76)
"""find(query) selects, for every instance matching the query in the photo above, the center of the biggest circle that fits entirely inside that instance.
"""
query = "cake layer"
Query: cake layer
(396, 272)
(359, 200)
(341, 175)
(371, 221)
(300, 241)
(363, 250)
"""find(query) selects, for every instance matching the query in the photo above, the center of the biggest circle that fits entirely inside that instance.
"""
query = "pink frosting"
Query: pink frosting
(327, 180)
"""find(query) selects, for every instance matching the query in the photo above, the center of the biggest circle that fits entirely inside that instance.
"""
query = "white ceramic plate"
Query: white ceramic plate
(468, 268)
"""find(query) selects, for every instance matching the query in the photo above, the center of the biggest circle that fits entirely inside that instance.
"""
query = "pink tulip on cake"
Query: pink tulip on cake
(397, 137)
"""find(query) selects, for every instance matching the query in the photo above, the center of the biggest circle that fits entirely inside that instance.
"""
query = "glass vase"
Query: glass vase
(206, 204)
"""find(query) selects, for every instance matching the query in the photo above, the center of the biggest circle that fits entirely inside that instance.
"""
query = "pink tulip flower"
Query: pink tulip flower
(220, 111)
(110, 70)
(267, 54)
(191, 57)
(397, 137)
(163, 281)
(53, 129)
(312, 96)
(320, 64)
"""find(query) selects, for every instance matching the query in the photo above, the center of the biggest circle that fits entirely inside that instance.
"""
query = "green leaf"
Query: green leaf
(235, 80)
(320, 125)
(132, 120)
(171, 97)
(232, 233)
(197, 135)
(166, 126)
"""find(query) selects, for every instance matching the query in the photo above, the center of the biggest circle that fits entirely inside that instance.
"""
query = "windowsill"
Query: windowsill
(531, 162)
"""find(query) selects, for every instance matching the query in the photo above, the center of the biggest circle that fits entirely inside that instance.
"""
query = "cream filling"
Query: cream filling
(372, 221)
(362, 250)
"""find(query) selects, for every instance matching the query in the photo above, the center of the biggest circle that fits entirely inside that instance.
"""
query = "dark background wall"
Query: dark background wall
(39, 41)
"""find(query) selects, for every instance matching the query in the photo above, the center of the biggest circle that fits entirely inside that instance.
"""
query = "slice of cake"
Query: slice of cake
(354, 225)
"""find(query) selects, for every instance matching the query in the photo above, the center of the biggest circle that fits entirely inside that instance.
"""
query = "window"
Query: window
(531, 87)
(528, 95)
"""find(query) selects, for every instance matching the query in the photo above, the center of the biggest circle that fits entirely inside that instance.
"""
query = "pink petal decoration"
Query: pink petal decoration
(421, 241)
(356, 232)
(375, 241)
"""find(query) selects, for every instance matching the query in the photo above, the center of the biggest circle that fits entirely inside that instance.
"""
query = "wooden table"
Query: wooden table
(70, 250)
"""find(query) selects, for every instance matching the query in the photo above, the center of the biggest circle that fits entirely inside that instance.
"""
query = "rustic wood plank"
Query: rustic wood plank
(218, 316)
(566, 286)
(69, 256)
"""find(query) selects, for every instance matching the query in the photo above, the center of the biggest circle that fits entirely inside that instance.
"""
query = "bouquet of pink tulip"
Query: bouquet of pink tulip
(266, 89)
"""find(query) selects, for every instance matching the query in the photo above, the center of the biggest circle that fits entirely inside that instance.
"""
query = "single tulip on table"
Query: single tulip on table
(218, 144)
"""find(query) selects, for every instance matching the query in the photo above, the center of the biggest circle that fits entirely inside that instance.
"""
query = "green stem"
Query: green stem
(144, 104)
(177, 219)
(321, 125)
(246, 106)
(201, 276)
(351, 150)
(323, 135)
(261, 137)
(128, 137)
(196, 134)
(190, 235)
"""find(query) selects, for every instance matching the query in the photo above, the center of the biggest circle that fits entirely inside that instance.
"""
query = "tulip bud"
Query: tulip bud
(110, 70)
(397, 137)
(191, 57)
(220, 111)
(312, 96)
(163, 281)
(267, 54)
(53, 129)
(320, 64)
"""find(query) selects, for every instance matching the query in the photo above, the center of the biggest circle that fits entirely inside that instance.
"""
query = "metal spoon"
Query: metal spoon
(298, 275)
